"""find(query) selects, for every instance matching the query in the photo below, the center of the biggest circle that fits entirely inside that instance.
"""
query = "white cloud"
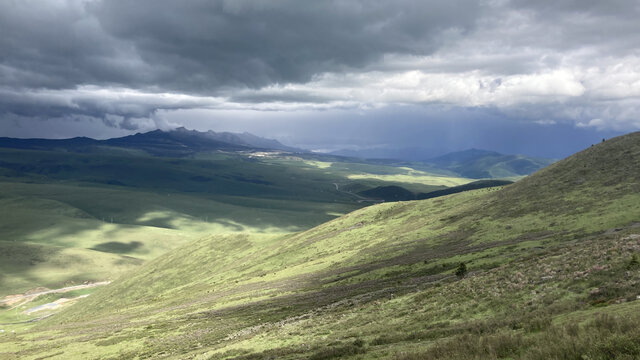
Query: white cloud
(607, 89)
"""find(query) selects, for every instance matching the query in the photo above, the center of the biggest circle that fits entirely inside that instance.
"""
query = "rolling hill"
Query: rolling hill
(552, 273)
(471, 163)
(398, 193)
(117, 203)
(173, 143)
(479, 164)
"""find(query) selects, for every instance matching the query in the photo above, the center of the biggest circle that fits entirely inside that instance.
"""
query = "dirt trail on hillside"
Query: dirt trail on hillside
(21, 299)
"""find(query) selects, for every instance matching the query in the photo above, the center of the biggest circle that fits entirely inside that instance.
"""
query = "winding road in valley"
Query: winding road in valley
(359, 198)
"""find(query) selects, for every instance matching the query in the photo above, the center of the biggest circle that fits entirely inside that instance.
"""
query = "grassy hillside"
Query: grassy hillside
(98, 221)
(553, 273)
(107, 201)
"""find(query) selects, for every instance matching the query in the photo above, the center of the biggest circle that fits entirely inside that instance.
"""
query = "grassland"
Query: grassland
(551, 275)
(70, 217)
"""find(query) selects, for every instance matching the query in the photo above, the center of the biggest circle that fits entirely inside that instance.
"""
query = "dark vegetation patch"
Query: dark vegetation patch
(389, 193)
(481, 184)
(398, 193)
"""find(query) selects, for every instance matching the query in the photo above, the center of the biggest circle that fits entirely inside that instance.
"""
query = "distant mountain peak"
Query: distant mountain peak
(244, 139)
(175, 142)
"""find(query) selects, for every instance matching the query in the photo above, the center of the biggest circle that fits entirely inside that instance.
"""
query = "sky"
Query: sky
(543, 78)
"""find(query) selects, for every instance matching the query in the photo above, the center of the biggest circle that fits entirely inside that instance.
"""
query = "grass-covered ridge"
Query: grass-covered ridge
(551, 274)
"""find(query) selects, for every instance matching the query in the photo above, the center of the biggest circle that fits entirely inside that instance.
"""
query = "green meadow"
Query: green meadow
(71, 217)
(552, 273)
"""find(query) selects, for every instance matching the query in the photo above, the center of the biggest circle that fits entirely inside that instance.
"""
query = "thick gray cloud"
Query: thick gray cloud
(122, 63)
(200, 46)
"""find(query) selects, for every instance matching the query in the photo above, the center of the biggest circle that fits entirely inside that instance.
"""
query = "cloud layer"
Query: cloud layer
(122, 62)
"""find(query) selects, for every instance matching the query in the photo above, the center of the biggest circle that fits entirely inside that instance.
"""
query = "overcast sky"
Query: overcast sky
(541, 77)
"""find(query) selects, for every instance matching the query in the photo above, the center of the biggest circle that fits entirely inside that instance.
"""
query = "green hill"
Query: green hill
(552, 263)
(398, 193)
(474, 185)
(477, 164)
(389, 193)
(140, 196)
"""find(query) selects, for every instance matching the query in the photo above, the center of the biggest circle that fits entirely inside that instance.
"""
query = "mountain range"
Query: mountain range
(176, 142)
(470, 163)
(180, 142)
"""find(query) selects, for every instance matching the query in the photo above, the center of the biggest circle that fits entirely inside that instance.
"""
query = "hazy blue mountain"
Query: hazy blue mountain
(178, 142)
(406, 154)
(477, 164)
(471, 163)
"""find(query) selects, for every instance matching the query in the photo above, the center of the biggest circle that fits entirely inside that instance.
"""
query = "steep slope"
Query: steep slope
(545, 255)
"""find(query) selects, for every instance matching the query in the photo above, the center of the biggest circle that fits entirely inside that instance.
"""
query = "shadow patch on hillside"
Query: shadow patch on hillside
(16, 261)
(117, 247)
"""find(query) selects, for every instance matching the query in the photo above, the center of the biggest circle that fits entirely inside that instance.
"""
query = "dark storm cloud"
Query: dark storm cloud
(200, 46)
(121, 62)
(59, 44)
(113, 107)
(608, 27)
